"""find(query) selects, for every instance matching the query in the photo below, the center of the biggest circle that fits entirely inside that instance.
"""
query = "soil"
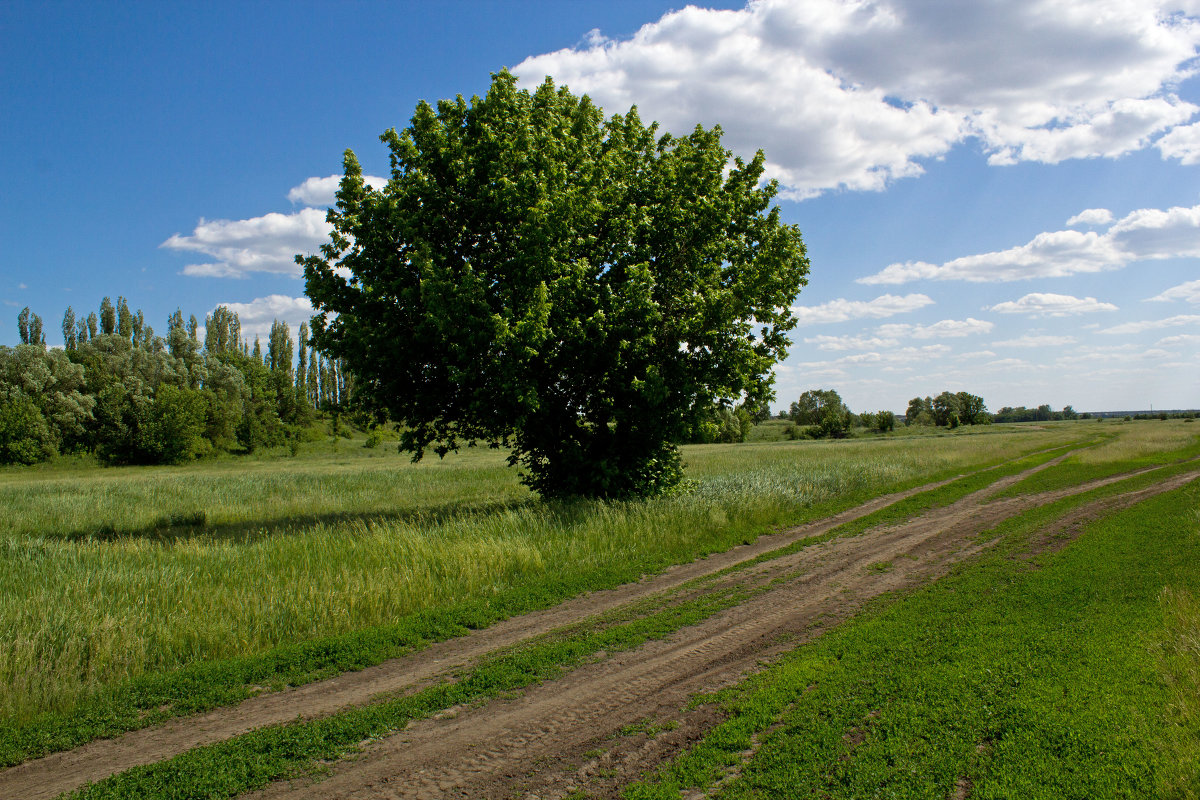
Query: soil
(574, 734)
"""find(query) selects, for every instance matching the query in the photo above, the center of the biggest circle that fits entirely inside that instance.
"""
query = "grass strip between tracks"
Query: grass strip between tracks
(1060, 675)
(151, 699)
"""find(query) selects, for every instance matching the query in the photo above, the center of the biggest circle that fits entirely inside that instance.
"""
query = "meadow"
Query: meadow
(114, 575)
(134, 595)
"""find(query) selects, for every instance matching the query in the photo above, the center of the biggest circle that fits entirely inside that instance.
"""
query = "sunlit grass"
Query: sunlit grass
(112, 573)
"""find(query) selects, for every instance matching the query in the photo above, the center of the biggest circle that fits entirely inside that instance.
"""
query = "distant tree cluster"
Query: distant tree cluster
(131, 397)
(1040, 414)
(948, 409)
(825, 416)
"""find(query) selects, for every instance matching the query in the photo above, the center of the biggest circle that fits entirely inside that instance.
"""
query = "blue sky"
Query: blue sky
(999, 198)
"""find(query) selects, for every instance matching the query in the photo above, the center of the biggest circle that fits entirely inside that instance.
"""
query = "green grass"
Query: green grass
(1058, 681)
(1122, 447)
(115, 632)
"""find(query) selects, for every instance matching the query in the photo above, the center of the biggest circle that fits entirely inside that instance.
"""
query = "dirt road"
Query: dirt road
(564, 735)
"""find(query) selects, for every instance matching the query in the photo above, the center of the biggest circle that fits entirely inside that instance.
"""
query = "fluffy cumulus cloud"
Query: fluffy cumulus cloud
(321, 191)
(1044, 304)
(845, 93)
(1188, 292)
(1142, 235)
(1182, 143)
(258, 315)
(1091, 216)
(268, 243)
(842, 310)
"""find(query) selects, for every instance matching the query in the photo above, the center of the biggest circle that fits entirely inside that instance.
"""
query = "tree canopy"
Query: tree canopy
(582, 290)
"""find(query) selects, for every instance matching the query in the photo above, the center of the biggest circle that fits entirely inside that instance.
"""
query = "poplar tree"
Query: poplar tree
(124, 319)
(313, 380)
(108, 317)
(279, 348)
(302, 362)
(68, 329)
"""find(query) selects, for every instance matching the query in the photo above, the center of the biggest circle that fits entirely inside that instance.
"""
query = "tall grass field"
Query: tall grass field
(111, 574)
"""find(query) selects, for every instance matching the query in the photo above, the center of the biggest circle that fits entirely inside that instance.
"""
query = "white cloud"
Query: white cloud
(1179, 338)
(841, 310)
(1154, 324)
(903, 355)
(851, 94)
(824, 342)
(893, 335)
(1008, 363)
(261, 244)
(1033, 340)
(946, 329)
(1142, 235)
(1091, 216)
(1152, 233)
(321, 191)
(1043, 304)
(257, 315)
(1189, 292)
(1182, 143)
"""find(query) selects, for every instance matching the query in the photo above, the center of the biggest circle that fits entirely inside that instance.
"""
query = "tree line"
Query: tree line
(824, 415)
(118, 390)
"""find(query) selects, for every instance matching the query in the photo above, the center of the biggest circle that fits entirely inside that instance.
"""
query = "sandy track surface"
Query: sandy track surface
(485, 751)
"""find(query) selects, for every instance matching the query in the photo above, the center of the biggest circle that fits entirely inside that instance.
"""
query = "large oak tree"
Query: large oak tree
(534, 276)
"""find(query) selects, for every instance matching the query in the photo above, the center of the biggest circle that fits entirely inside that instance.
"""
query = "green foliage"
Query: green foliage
(722, 425)
(810, 408)
(167, 428)
(823, 411)
(885, 421)
(113, 388)
(582, 290)
(24, 436)
(57, 388)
